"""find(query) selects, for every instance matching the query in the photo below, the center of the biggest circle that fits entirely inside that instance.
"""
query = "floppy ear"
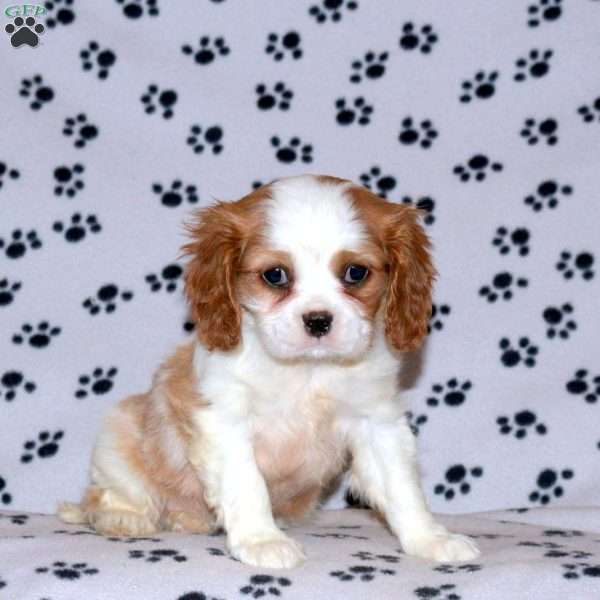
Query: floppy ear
(411, 275)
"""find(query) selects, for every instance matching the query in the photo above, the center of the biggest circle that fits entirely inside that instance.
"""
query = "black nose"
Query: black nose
(317, 323)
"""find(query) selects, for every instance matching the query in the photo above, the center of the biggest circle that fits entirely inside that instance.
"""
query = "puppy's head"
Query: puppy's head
(317, 265)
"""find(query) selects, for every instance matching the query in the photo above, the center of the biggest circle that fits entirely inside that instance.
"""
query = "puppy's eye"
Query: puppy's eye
(276, 277)
(355, 274)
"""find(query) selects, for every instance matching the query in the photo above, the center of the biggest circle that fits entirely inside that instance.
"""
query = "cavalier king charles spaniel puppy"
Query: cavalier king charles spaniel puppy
(304, 293)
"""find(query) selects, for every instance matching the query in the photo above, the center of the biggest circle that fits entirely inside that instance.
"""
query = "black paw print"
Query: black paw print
(582, 264)
(19, 244)
(176, 193)
(361, 572)
(169, 277)
(292, 151)
(68, 181)
(106, 299)
(82, 131)
(357, 110)
(381, 184)
(557, 321)
(387, 558)
(502, 287)
(482, 86)
(64, 570)
(288, 44)
(517, 239)
(414, 38)
(536, 64)
(331, 9)
(11, 382)
(8, 291)
(521, 422)
(415, 422)
(208, 49)
(477, 168)
(544, 11)
(166, 101)
(443, 592)
(457, 481)
(5, 498)
(20, 519)
(525, 352)
(436, 320)
(189, 326)
(39, 336)
(581, 569)
(591, 113)
(547, 195)
(545, 130)
(24, 32)
(45, 446)
(452, 393)
(77, 229)
(425, 204)
(4, 170)
(371, 66)
(261, 585)
(60, 12)
(547, 485)
(277, 97)
(211, 136)
(99, 382)
(35, 89)
(154, 556)
(422, 134)
(134, 9)
(100, 60)
(453, 569)
(583, 384)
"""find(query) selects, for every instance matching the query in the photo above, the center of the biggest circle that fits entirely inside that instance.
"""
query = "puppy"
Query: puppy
(305, 293)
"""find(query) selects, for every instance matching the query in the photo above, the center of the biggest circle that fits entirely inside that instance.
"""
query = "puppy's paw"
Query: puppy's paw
(270, 552)
(442, 546)
(122, 523)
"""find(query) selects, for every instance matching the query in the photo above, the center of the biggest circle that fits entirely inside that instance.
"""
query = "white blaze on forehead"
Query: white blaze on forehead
(312, 216)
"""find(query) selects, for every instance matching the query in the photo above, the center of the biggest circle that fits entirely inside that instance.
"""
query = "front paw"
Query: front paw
(270, 551)
(442, 546)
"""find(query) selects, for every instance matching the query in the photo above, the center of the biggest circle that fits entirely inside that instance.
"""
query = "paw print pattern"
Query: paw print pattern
(168, 279)
(78, 227)
(525, 352)
(436, 320)
(261, 585)
(360, 572)
(545, 11)
(422, 134)
(415, 422)
(98, 383)
(154, 556)
(376, 181)
(39, 336)
(20, 519)
(176, 194)
(589, 114)
(502, 287)
(476, 168)
(10, 384)
(452, 393)
(558, 321)
(348, 112)
(446, 591)
(45, 446)
(82, 131)
(520, 424)
(278, 97)
(69, 572)
(457, 480)
(547, 195)
(8, 291)
(331, 10)
(453, 569)
(535, 65)
(371, 66)
(425, 204)
(68, 180)
(292, 151)
(36, 91)
(212, 137)
(166, 101)
(208, 49)
(482, 86)
(548, 485)
(367, 556)
(289, 44)
(134, 9)
(24, 32)
(580, 264)
(4, 170)
(534, 131)
(60, 12)
(578, 570)
(586, 385)
(93, 58)
(19, 244)
(5, 498)
(517, 239)
(415, 38)
(106, 299)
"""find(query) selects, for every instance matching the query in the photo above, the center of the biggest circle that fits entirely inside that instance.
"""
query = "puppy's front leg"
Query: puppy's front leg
(237, 490)
(385, 470)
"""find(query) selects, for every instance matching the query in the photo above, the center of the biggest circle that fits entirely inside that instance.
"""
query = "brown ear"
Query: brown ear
(411, 274)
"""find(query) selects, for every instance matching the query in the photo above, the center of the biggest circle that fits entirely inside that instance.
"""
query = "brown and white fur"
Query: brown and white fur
(250, 421)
